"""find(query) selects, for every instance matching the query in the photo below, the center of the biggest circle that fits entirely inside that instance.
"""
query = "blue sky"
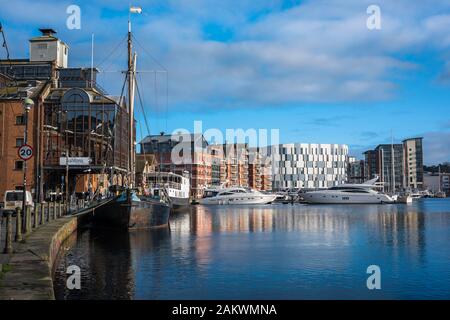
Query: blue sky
(309, 68)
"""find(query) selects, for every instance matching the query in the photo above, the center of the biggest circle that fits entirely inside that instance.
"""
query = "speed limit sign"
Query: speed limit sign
(25, 152)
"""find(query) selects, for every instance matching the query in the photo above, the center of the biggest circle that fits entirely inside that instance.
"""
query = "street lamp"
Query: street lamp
(27, 105)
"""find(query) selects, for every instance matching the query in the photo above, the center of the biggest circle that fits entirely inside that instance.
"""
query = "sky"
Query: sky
(311, 69)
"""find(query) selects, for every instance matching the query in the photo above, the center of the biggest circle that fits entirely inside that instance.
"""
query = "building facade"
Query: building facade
(355, 171)
(413, 163)
(79, 133)
(12, 130)
(398, 166)
(437, 182)
(308, 166)
(182, 152)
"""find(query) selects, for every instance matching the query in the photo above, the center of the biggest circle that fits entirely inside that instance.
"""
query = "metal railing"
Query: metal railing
(16, 225)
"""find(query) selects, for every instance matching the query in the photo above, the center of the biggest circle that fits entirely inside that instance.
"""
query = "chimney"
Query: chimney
(47, 32)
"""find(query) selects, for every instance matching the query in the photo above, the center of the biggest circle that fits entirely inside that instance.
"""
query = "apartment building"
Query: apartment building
(413, 163)
(355, 171)
(398, 166)
(308, 166)
(182, 152)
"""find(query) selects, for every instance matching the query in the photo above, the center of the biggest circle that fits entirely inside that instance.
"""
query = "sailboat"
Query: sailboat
(129, 210)
(440, 193)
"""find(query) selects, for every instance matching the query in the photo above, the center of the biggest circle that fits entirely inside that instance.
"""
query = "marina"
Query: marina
(268, 252)
(253, 179)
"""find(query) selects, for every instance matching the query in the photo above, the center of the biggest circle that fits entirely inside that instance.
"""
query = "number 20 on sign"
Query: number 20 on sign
(25, 152)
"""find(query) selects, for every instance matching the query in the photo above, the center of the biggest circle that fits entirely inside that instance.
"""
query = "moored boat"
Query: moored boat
(236, 195)
(348, 194)
(177, 187)
(130, 211)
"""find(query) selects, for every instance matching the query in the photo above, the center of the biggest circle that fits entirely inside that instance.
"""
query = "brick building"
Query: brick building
(12, 129)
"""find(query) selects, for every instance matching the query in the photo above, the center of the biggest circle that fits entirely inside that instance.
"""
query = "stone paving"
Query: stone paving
(29, 277)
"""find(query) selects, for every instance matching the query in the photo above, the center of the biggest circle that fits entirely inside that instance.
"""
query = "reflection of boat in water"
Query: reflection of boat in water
(177, 187)
(237, 195)
(349, 194)
(134, 212)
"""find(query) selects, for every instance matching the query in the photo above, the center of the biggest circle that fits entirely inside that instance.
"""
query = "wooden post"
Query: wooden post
(18, 224)
(9, 231)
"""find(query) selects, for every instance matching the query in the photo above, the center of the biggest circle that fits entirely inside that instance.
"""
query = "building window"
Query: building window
(42, 46)
(20, 120)
(18, 165)
(19, 142)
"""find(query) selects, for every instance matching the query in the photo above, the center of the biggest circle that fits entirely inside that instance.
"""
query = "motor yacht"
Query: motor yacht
(236, 195)
(177, 187)
(364, 193)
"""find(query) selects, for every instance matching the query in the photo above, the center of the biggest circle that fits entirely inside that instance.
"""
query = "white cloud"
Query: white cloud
(319, 51)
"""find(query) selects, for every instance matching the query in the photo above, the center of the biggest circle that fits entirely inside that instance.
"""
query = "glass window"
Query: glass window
(20, 120)
(18, 165)
(19, 142)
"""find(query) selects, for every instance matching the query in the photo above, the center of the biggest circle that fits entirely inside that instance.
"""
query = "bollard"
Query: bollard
(49, 214)
(35, 215)
(27, 220)
(54, 211)
(9, 231)
(18, 224)
(41, 213)
(60, 210)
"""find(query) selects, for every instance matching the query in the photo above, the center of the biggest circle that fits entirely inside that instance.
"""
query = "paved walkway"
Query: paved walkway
(30, 275)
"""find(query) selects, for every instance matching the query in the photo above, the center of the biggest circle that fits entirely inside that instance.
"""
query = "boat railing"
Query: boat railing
(167, 184)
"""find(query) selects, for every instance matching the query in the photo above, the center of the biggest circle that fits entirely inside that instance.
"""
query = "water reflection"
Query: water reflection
(273, 251)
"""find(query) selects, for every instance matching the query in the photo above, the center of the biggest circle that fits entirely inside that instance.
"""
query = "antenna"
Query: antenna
(92, 61)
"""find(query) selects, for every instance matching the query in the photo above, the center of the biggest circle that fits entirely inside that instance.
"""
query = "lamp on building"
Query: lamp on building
(27, 105)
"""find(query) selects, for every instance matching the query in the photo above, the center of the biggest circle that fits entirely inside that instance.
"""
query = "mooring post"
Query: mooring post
(9, 231)
(18, 224)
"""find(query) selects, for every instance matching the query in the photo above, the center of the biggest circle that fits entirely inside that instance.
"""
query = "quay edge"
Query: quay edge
(31, 266)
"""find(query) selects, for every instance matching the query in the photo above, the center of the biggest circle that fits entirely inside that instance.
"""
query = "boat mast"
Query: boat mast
(131, 155)
(392, 163)
(439, 179)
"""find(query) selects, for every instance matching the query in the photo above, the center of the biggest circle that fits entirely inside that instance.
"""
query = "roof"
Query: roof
(415, 138)
(95, 97)
(22, 89)
(173, 137)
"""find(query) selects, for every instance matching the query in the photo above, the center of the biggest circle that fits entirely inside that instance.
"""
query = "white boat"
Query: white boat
(236, 195)
(364, 193)
(440, 194)
(404, 198)
(176, 186)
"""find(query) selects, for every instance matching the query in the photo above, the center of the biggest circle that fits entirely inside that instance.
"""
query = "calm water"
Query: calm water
(269, 252)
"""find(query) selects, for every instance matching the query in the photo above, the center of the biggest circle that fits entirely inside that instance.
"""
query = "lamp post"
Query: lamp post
(27, 104)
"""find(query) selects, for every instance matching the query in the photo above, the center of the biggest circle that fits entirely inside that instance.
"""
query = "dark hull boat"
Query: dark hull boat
(128, 211)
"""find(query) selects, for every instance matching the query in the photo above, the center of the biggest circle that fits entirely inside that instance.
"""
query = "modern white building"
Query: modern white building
(308, 166)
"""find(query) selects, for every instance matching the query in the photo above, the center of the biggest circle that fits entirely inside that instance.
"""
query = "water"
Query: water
(269, 252)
